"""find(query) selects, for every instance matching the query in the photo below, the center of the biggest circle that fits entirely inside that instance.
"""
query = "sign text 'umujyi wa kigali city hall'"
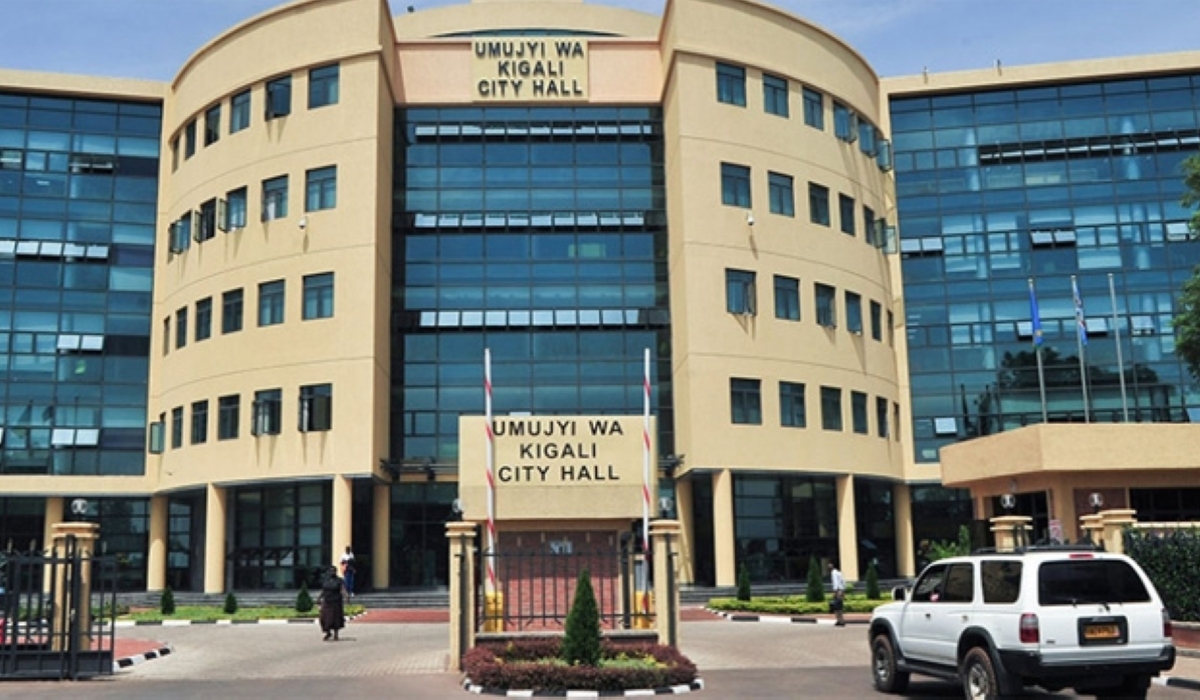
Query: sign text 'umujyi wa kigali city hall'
(529, 69)
(556, 466)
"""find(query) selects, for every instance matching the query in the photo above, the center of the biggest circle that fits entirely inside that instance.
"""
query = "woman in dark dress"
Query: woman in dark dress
(332, 597)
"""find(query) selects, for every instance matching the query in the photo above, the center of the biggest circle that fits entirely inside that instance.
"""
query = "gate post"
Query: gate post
(72, 599)
(665, 536)
(462, 590)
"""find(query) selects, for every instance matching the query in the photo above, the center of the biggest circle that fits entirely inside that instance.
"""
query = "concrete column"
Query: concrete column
(1114, 521)
(687, 534)
(724, 550)
(664, 536)
(906, 564)
(461, 538)
(85, 535)
(381, 533)
(214, 540)
(156, 557)
(55, 509)
(1062, 509)
(343, 517)
(1091, 526)
(847, 528)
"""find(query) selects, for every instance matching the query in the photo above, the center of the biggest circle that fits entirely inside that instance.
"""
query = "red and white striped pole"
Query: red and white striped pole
(491, 472)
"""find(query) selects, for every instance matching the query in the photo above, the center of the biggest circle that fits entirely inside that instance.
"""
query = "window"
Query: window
(826, 306)
(318, 296)
(846, 214)
(175, 154)
(206, 226)
(156, 435)
(876, 321)
(891, 328)
(279, 97)
(791, 405)
(896, 421)
(180, 234)
(320, 189)
(316, 407)
(231, 311)
(212, 125)
(181, 329)
(204, 319)
(745, 401)
(731, 84)
(268, 408)
(239, 112)
(735, 185)
(869, 226)
(235, 209)
(814, 108)
(775, 95)
(845, 123)
(787, 298)
(881, 416)
(199, 422)
(189, 139)
(854, 321)
(323, 86)
(228, 410)
(831, 408)
(739, 292)
(858, 412)
(866, 138)
(166, 336)
(818, 204)
(274, 198)
(1001, 580)
(270, 303)
(176, 427)
(779, 189)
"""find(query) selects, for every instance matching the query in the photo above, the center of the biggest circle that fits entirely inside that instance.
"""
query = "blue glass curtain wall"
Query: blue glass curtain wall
(78, 189)
(540, 234)
(781, 522)
(999, 187)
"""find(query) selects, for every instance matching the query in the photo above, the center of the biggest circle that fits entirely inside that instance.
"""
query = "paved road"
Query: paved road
(736, 659)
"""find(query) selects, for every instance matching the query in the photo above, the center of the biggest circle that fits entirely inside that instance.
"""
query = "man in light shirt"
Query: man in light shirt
(839, 593)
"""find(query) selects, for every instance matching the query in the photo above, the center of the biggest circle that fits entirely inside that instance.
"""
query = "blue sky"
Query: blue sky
(152, 38)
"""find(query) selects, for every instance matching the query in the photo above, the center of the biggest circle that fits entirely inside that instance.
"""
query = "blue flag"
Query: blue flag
(1035, 316)
(1080, 320)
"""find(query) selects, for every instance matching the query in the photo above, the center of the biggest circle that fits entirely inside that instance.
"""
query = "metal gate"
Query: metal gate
(50, 627)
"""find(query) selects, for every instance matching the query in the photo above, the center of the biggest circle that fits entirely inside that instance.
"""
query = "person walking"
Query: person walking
(332, 602)
(349, 570)
(838, 603)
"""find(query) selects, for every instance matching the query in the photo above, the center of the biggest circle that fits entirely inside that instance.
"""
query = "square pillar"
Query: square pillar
(85, 535)
(687, 533)
(906, 564)
(1113, 522)
(381, 544)
(343, 516)
(461, 537)
(847, 527)
(664, 536)
(1011, 531)
(156, 557)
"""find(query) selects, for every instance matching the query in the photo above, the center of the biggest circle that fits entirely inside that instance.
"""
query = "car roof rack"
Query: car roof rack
(1034, 548)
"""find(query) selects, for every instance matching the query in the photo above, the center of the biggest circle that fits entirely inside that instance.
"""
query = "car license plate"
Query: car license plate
(1101, 632)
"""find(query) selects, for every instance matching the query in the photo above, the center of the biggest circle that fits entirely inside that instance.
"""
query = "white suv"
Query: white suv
(1056, 617)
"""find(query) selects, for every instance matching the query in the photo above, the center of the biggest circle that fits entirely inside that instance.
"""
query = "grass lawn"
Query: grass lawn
(209, 613)
(794, 605)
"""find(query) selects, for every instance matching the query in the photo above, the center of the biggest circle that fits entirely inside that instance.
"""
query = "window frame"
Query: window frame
(266, 415)
(233, 310)
(318, 296)
(735, 186)
(320, 188)
(271, 303)
(787, 298)
(235, 216)
(203, 330)
(818, 204)
(793, 413)
(881, 417)
(854, 315)
(831, 409)
(239, 111)
(741, 292)
(858, 413)
(781, 194)
(324, 86)
(278, 97)
(181, 327)
(315, 408)
(847, 208)
(775, 95)
(876, 320)
(212, 125)
(745, 401)
(176, 427)
(229, 409)
(814, 108)
(199, 422)
(731, 84)
(826, 300)
(275, 198)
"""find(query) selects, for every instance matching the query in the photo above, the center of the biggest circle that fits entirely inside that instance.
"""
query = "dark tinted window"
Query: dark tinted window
(1001, 581)
(960, 585)
(929, 588)
(1089, 581)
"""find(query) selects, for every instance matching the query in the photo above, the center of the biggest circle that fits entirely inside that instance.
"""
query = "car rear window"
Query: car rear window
(1001, 581)
(1089, 581)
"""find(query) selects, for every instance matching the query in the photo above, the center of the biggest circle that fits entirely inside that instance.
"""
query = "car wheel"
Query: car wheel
(883, 666)
(979, 677)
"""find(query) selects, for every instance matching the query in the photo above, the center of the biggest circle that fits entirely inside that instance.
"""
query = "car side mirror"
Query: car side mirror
(899, 593)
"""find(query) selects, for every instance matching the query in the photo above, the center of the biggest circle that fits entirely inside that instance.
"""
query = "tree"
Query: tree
(873, 582)
(945, 550)
(231, 603)
(814, 592)
(581, 638)
(167, 602)
(1187, 318)
(743, 586)
(304, 601)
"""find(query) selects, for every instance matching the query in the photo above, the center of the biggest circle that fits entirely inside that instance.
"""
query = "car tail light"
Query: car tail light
(1166, 623)
(1029, 629)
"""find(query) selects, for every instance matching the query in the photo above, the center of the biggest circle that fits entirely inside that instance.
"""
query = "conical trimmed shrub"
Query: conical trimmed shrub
(166, 604)
(231, 603)
(304, 601)
(581, 642)
(873, 583)
(815, 590)
(743, 587)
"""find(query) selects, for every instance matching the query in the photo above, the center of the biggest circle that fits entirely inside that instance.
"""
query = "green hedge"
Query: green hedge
(1165, 557)
(793, 605)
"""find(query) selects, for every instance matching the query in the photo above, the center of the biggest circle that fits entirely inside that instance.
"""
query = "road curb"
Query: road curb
(694, 686)
(787, 619)
(128, 661)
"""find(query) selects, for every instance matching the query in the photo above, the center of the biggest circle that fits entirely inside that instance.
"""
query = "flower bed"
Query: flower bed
(533, 664)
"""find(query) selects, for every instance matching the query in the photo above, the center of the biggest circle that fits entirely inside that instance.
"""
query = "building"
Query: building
(344, 228)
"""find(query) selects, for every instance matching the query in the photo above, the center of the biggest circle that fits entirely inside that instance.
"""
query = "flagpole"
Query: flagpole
(1037, 347)
(1080, 342)
(1112, 295)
